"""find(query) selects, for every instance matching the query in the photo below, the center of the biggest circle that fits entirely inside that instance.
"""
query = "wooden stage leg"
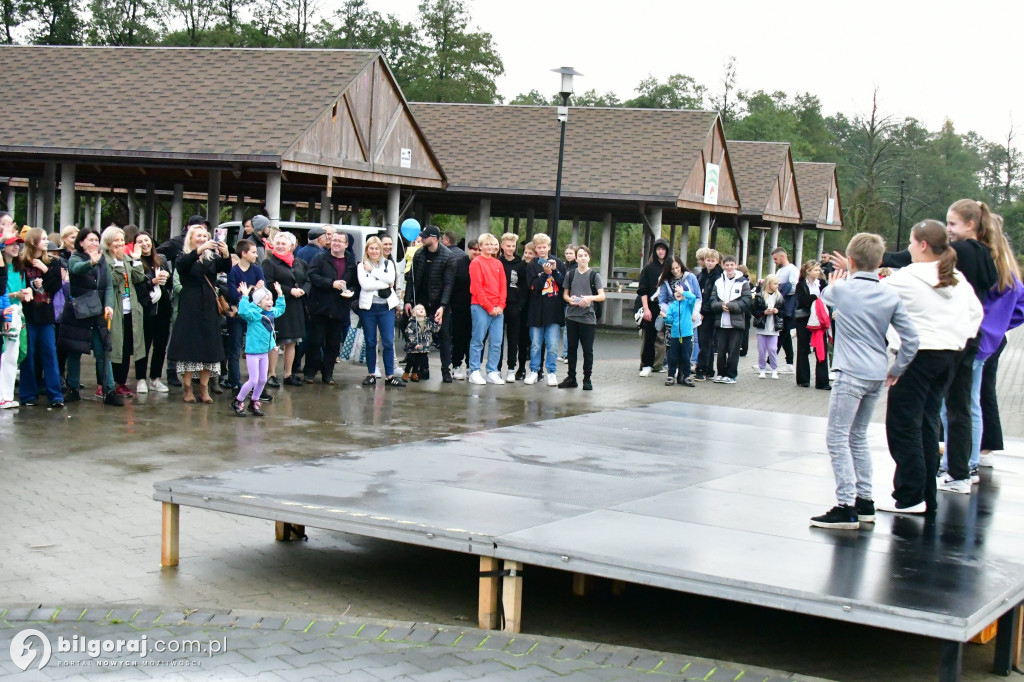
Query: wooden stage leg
(512, 596)
(169, 535)
(285, 531)
(487, 611)
(581, 584)
(618, 587)
(1018, 638)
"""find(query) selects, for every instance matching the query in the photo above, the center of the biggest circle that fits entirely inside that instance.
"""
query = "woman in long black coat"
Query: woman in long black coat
(196, 345)
(282, 267)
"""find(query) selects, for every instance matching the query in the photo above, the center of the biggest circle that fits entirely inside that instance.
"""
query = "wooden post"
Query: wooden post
(743, 251)
(67, 195)
(512, 596)
(606, 249)
(212, 199)
(292, 212)
(705, 229)
(684, 241)
(774, 245)
(798, 246)
(48, 188)
(1018, 637)
(487, 610)
(529, 224)
(515, 225)
(273, 202)
(587, 233)
(178, 210)
(581, 584)
(284, 531)
(238, 210)
(618, 587)
(821, 244)
(760, 254)
(10, 200)
(98, 216)
(483, 225)
(169, 535)
(576, 230)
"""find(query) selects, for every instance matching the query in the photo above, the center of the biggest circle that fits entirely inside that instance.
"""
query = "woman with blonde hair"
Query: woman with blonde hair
(808, 289)
(127, 339)
(282, 267)
(196, 345)
(377, 302)
(43, 276)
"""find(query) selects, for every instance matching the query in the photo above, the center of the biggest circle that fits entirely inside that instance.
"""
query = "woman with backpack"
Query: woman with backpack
(582, 289)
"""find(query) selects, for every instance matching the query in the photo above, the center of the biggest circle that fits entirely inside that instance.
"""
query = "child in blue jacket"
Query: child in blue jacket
(260, 339)
(679, 332)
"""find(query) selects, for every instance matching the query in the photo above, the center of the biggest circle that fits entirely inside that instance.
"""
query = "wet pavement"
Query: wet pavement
(82, 528)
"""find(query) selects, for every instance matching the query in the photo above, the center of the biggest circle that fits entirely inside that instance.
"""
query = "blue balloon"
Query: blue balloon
(410, 229)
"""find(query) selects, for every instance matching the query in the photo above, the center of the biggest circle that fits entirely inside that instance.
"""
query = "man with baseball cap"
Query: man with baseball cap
(316, 243)
(431, 279)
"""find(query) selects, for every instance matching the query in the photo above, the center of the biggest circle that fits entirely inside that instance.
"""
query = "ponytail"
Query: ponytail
(947, 263)
(933, 233)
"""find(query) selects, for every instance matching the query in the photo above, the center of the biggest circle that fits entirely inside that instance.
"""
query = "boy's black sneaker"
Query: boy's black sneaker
(446, 375)
(568, 382)
(587, 386)
(113, 399)
(425, 375)
(272, 382)
(72, 396)
(699, 376)
(865, 510)
(370, 380)
(840, 517)
(520, 374)
(238, 407)
(266, 397)
(395, 381)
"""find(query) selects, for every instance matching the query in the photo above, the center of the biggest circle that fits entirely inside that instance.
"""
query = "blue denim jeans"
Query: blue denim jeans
(544, 336)
(75, 365)
(849, 413)
(236, 337)
(379, 316)
(42, 350)
(485, 325)
(976, 421)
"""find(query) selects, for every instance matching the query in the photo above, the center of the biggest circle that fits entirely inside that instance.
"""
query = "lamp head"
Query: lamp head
(567, 74)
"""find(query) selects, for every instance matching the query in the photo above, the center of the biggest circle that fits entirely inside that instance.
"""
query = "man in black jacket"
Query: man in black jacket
(430, 282)
(517, 293)
(647, 291)
(462, 321)
(332, 275)
(706, 331)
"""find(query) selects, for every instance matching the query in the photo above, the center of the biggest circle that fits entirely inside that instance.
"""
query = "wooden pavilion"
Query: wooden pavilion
(819, 202)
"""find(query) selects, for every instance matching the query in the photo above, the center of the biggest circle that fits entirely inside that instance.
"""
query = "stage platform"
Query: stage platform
(705, 500)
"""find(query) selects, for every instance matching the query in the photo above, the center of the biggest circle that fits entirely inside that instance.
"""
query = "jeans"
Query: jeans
(912, 426)
(978, 371)
(236, 337)
(696, 349)
(583, 334)
(485, 325)
(849, 414)
(991, 425)
(379, 316)
(42, 350)
(75, 365)
(547, 336)
(678, 356)
(960, 415)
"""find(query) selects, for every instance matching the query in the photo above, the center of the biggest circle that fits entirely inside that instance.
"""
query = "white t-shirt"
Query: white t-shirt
(789, 273)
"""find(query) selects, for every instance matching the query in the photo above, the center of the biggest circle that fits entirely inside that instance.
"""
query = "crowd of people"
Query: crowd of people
(928, 323)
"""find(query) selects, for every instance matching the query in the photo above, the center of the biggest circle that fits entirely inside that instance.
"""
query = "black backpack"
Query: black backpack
(598, 305)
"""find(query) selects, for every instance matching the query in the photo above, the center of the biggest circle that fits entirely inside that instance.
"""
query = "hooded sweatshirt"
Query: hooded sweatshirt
(1004, 310)
(945, 318)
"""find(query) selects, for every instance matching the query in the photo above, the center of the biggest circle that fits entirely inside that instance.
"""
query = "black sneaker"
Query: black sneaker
(30, 402)
(173, 380)
(520, 374)
(309, 380)
(865, 510)
(56, 405)
(72, 396)
(568, 382)
(215, 387)
(113, 399)
(840, 517)
(587, 386)
(699, 376)
(238, 407)
(370, 380)
(425, 376)
(446, 375)
(395, 381)
(266, 397)
(293, 380)
(272, 382)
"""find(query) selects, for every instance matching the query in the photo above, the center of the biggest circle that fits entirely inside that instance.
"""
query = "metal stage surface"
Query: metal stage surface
(706, 500)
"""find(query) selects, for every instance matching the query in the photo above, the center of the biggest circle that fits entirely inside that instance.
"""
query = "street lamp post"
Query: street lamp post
(563, 115)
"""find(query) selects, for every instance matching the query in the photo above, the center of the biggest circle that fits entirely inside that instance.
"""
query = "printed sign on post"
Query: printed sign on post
(406, 158)
(711, 183)
(830, 212)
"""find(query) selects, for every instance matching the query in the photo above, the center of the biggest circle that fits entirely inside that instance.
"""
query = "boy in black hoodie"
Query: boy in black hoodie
(517, 290)
(706, 332)
(647, 291)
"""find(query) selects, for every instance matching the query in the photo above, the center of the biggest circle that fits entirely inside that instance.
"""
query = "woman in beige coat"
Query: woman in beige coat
(127, 337)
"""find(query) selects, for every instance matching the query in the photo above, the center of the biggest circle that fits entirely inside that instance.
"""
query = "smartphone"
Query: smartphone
(220, 234)
(541, 261)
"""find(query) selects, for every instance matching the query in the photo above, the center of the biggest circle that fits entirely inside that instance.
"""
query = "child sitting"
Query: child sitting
(679, 331)
(419, 337)
(260, 338)
(768, 323)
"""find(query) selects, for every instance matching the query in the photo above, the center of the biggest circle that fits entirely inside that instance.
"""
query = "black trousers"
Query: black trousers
(518, 353)
(991, 426)
(958, 413)
(647, 353)
(706, 344)
(462, 334)
(786, 338)
(324, 341)
(415, 363)
(728, 341)
(912, 426)
(803, 358)
(157, 330)
(444, 337)
(583, 334)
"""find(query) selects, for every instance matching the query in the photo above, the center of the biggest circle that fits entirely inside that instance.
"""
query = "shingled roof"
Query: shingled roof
(765, 179)
(615, 154)
(818, 186)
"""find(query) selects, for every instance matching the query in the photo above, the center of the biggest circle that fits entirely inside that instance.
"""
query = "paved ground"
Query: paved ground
(82, 533)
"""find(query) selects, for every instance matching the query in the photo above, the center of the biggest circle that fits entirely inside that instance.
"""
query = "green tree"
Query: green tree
(297, 22)
(122, 23)
(54, 22)
(355, 25)
(14, 15)
(456, 65)
(726, 101)
(591, 98)
(678, 92)
(195, 17)
(535, 98)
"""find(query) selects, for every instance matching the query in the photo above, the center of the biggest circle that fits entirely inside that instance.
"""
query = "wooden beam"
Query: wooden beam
(581, 584)
(169, 534)
(284, 531)
(512, 596)
(392, 122)
(487, 609)
(364, 147)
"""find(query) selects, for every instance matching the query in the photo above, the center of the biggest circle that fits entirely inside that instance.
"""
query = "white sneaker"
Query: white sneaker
(158, 386)
(952, 485)
(476, 378)
(563, 358)
(988, 460)
(9, 404)
(531, 378)
(756, 367)
(510, 378)
(890, 506)
(459, 374)
(787, 369)
(727, 380)
(718, 379)
(775, 374)
(552, 379)
(646, 371)
(761, 374)
(376, 372)
(141, 387)
(495, 378)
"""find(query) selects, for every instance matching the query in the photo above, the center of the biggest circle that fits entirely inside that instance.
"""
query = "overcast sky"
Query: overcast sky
(931, 60)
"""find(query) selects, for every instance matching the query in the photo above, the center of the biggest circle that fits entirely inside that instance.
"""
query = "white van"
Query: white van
(357, 234)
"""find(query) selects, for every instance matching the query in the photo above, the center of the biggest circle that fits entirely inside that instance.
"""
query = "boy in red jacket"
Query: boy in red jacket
(487, 298)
